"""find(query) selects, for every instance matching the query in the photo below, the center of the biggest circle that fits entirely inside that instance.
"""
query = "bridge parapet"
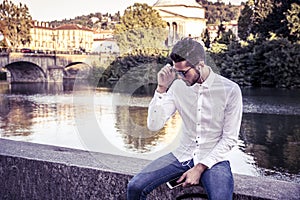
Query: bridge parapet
(46, 63)
(41, 60)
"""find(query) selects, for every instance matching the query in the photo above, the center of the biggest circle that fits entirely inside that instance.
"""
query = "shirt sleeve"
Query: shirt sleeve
(160, 109)
(231, 129)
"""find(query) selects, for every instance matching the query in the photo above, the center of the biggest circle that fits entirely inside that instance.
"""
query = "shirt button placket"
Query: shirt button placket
(198, 125)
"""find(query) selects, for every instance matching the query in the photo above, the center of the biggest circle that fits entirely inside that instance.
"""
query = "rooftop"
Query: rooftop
(73, 27)
(186, 3)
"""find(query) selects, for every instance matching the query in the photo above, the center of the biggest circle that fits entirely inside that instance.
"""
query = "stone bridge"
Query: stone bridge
(32, 67)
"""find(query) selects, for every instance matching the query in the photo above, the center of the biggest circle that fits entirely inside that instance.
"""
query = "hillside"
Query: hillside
(215, 14)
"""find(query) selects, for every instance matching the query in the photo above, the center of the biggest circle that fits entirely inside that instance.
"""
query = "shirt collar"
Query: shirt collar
(208, 81)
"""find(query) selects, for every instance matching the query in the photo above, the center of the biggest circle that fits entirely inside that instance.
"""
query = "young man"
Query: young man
(211, 110)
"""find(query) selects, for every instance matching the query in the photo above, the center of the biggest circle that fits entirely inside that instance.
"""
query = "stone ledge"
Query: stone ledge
(35, 171)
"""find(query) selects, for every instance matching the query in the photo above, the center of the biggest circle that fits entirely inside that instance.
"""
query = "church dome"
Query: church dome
(187, 3)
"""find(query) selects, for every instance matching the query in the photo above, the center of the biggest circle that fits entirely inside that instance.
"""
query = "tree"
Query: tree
(263, 17)
(262, 10)
(141, 31)
(227, 37)
(253, 18)
(293, 21)
(217, 12)
(245, 20)
(2, 28)
(206, 38)
(16, 23)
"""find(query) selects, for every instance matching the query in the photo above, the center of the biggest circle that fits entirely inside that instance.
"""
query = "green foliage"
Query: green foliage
(206, 38)
(221, 42)
(96, 72)
(138, 70)
(16, 23)
(227, 37)
(141, 31)
(262, 63)
(245, 20)
(2, 28)
(252, 38)
(293, 21)
(86, 20)
(269, 53)
(263, 17)
(94, 75)
(218, 12)
(218, 48)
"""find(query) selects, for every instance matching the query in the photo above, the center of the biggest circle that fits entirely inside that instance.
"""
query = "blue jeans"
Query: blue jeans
(217, 181)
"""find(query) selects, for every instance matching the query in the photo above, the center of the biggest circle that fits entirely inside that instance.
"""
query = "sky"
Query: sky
(49, 10)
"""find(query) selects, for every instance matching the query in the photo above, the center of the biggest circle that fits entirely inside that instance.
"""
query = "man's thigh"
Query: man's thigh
(160, 171)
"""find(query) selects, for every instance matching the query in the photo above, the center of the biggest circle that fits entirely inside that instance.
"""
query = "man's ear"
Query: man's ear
(200, 65)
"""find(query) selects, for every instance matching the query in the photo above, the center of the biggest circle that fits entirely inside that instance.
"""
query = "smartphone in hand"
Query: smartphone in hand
(173, 183)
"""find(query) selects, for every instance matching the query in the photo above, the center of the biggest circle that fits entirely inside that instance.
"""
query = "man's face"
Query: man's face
(188, 74)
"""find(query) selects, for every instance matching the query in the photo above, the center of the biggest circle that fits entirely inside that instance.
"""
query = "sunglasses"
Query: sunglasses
(182, 73)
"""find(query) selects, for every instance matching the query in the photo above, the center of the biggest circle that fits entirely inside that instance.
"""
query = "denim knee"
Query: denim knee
(135, 189)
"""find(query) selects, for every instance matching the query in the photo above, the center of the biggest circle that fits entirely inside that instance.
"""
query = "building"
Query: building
(103, 34)
(185, 18)
(73, 37)
(104, 42)
(41, 37)
(65, 38)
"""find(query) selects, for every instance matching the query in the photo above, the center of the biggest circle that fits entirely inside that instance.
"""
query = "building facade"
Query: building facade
(104, 42)
(41, 37)
(185, 18)
(73, 38)
(65, 38)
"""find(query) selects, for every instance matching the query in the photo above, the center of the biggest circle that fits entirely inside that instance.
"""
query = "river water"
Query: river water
(101, 120)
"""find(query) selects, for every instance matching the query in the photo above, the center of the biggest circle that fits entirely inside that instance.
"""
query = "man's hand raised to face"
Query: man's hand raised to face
(164, 78)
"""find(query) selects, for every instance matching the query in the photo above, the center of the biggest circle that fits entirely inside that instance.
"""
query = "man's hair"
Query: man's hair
(188, 49)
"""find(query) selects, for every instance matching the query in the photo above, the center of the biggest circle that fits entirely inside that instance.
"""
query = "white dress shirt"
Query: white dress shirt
(211, 115)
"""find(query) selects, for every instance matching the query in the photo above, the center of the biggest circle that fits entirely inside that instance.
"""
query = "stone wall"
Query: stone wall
(35, 171)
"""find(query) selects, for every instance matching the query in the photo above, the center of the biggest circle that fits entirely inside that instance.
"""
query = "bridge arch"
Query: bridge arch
(24, 71)
(76, 70)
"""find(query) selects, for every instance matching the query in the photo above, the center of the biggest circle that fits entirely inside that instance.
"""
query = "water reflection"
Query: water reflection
(37, 88)
(273, 140)
(131, 125)
(43, 113)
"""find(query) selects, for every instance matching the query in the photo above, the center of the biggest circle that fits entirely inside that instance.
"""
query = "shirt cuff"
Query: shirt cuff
(208, 161)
